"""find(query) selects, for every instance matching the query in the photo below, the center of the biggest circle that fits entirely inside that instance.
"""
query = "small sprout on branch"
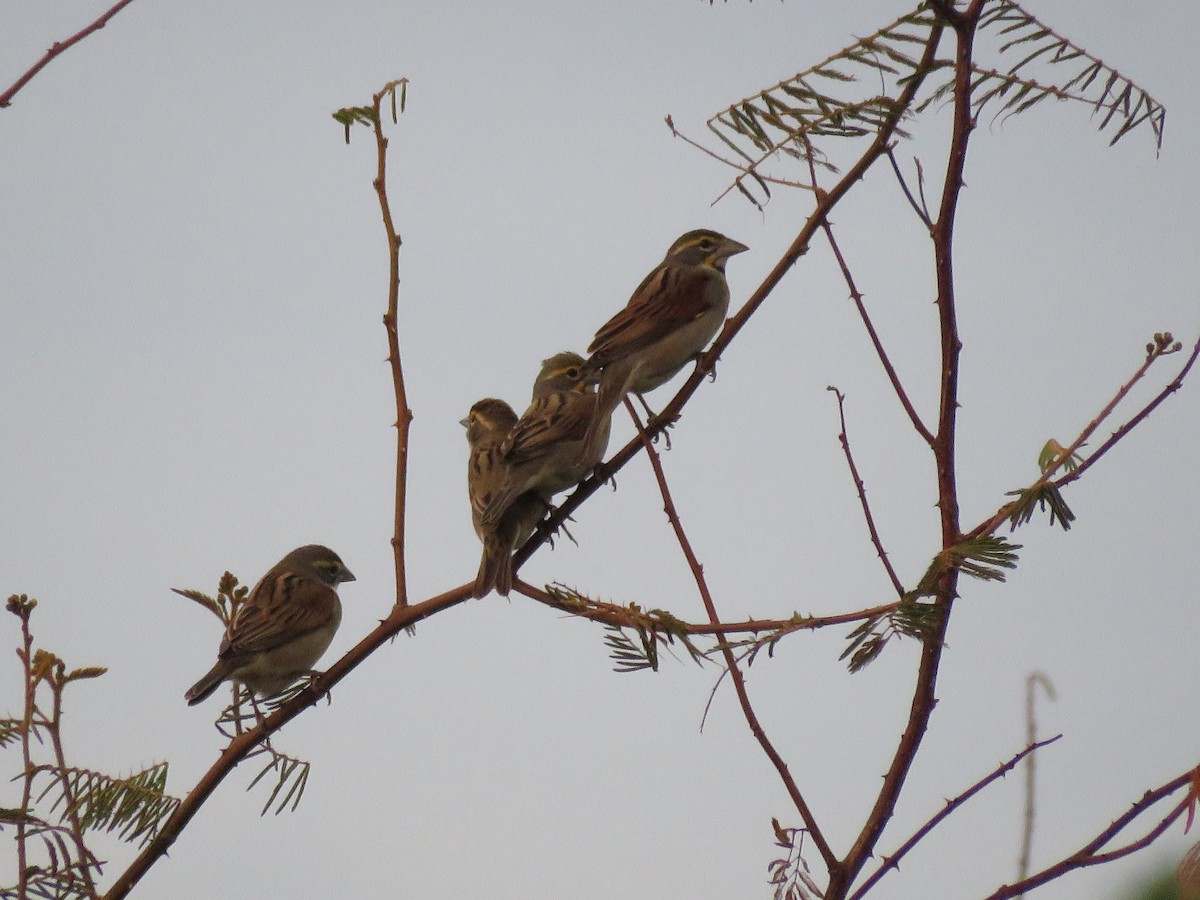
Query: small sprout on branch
(1040, 496)
(1164, 343)
(354, 115)
(229, 597)
(20, 605)
(790, 874)
(984, 557)
(911, 618)
(628, 656)
(657, 627)
(348, 116)
(1054, 455)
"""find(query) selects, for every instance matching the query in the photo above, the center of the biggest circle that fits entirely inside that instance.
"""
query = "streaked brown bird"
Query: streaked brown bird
(668, 321)
(488, 424)
(282, 627)
(557, 441)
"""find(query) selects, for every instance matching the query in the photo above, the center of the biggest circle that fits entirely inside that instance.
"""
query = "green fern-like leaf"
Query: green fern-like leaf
(1019, 63)
(985, 557)
(133, 807)
(290, 782)
(628, 656)
(1040, 497)
(922, 621)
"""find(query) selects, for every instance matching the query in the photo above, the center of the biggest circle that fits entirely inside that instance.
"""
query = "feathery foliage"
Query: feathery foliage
(1019, 64)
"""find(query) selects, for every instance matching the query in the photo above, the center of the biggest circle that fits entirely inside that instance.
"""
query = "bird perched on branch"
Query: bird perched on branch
(669, 320)
(488, 424)
(557, 441)
(282, 627)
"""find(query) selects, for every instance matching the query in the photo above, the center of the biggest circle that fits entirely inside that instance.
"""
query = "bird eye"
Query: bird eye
(572, 373)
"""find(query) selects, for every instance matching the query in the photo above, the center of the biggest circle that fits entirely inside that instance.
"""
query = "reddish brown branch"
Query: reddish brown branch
(857, 297)
(624, 617)
(893, 861)
(862, 492)
(70, 800)
(1092, 853)
(731, 664)
(924, 698)
(59, 47)
(1002, 514)
(1136, 420)
(403, 413)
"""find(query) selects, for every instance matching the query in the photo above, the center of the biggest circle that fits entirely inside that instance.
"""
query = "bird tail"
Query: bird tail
(202, 689)
(495, 569)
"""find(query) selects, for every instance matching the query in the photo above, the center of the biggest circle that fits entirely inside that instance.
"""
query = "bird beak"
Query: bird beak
(465, 423)
(731, 248)
(347, 575)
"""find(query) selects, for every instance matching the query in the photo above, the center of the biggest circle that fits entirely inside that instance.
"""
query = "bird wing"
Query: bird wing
(486, 476)
(668, 298)
(281, 608)
(549, 421)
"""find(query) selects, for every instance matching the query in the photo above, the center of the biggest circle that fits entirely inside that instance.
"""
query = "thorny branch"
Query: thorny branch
(862, 494)
(403, 413)
(731, 664)
(892, 861)
(57, 48)
(880, 351)
(1093, 853)
(1047, 477)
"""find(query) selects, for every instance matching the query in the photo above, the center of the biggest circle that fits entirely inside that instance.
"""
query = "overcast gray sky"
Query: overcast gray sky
(192, 379)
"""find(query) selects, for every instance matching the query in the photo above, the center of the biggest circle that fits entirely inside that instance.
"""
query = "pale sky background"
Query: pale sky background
(192, 380)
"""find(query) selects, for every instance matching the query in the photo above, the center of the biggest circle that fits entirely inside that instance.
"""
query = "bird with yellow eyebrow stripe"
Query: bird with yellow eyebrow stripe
(671, 317)
(554, 445)
(488, 424)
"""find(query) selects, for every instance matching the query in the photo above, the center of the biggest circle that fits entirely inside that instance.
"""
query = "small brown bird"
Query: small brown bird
(282, 627)
(669, 320)
(488, 424)
(557, 441)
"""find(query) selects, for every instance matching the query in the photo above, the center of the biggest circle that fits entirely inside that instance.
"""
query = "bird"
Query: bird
(557, 441)
(282, 627)
(669, 319)
(488, 424)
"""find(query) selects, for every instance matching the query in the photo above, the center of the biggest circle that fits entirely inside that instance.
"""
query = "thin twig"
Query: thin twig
(624, 617)
(70, 801)
(57, 48)
(1136, 420)
(1002, 514)
(862, 493)
(857, 297)
(26, 655)
(403, 413)
(731, 664)
(1091, 854)
(892, 861)
(919, 208)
